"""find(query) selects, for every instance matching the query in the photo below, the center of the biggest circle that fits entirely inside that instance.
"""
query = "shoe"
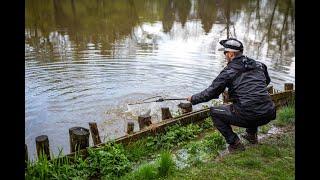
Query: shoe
(237, 146)
(252, 138)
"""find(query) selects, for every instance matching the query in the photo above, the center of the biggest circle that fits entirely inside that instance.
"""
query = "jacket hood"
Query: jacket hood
(249, 63)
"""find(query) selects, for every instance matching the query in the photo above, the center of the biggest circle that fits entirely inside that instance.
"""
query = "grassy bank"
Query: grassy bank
(115, 160)
(156, 157)
(272, 159)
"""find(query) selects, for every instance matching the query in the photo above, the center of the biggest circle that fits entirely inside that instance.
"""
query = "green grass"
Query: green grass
(61, 168)
(166, 164)
(147, 171)
(160, 169)
(265, 128)
(273, 159)
(285, 116)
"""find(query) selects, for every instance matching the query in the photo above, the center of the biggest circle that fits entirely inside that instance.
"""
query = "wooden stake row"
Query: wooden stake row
(79, 136)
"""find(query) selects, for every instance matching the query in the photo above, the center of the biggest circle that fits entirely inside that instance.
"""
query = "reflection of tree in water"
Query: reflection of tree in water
(207, 13)
(168, 16)
(84, 22)
(276, 32)
(183, 9)
(278, 28)
(105, 23)
(40, 18)
(231, 10)
(284, 28)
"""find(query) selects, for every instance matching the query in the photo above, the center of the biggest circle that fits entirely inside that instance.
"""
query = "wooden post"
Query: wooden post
(185, 107)
(288, 86)
(165, 112)
(144, 120)
(79, 138)
(26, 158)
(225, 97)
(130, 127)
(270, 89)
(42, 145)
(94, 133)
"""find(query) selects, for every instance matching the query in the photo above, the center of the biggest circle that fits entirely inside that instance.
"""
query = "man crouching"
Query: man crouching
(252, 106)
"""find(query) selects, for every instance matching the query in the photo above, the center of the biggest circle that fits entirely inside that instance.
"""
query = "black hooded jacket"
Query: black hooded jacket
(246, 80)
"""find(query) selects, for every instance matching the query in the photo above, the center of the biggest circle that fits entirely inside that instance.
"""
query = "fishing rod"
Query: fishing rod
(158, 100)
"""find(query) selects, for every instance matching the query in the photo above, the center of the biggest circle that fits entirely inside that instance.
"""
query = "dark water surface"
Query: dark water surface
(86, 60)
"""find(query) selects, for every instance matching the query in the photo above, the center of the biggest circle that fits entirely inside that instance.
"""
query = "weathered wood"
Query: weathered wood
(130, 127)
(282, 98)
(192, 117)
(288, 86)
(42, 146)
(144, 120)
(166, 114)
(270, 89)
(282, 95)
(94, 133)
(26, 157)
(185, 107)
(79, 138)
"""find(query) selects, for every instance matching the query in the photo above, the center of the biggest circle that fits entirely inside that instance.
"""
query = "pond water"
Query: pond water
(86, 60)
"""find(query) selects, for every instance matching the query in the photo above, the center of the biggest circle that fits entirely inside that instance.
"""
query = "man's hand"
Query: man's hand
(189, 98)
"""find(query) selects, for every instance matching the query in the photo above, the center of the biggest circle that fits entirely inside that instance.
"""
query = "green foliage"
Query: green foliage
(60, 168)
(147, 171)
(141, 148)
(177, 134)
(211, 143)
(174, 136)
(214, 142)
(207, 123)
(109, 160)
(166, 164)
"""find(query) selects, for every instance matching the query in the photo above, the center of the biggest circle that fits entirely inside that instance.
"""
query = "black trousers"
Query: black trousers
(223, 117)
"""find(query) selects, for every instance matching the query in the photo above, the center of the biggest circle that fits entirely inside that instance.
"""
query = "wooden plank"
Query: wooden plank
(94, 133)
(288, 86)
